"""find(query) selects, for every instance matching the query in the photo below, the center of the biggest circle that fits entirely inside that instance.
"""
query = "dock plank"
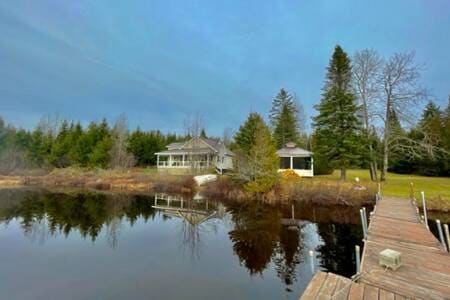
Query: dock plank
(314, 286)
(425, 271)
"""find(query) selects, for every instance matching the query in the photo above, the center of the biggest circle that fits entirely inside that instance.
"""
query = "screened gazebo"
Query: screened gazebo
(297, 159)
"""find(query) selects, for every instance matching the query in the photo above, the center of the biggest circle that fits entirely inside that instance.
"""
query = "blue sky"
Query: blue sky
(161, 61)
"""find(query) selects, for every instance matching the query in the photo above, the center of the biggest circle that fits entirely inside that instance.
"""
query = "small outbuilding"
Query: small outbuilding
(296, 159)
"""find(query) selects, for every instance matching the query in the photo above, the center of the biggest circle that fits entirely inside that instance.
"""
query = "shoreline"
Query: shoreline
(318, 192)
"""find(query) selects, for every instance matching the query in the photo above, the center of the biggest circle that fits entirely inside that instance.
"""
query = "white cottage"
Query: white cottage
(297, 159)
(198, 153)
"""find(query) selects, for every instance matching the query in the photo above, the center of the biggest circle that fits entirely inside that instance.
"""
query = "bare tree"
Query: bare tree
(193, 125)
(401, 93)
(120, 157)
(227, 136)
(367, 65)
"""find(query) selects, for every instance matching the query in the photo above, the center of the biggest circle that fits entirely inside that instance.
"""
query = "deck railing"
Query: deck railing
(183, 164)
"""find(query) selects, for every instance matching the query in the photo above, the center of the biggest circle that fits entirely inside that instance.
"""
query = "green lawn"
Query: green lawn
(437, 189)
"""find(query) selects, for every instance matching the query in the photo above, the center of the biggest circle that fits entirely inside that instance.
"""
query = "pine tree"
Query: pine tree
(337, 125)
(284, 119)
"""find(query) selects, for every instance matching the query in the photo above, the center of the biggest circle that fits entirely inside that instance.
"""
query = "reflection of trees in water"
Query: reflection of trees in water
(45, 214)
(190, 238)
(288, 254)
(196, 218)
(255, 235)
(337, 252)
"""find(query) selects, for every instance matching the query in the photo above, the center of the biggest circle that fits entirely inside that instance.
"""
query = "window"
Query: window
(302, 163)
(285, 162)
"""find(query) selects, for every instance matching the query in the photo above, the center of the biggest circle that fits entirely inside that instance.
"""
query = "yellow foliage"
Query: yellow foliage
(290, 174)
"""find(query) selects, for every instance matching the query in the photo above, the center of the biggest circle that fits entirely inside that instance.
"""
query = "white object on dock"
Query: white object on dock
(390, 259)
(202, 179)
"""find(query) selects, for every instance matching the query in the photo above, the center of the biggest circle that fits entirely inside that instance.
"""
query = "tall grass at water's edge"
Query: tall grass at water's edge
(298, 189)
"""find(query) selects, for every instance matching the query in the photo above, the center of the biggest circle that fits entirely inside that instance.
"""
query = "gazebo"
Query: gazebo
(297, 159)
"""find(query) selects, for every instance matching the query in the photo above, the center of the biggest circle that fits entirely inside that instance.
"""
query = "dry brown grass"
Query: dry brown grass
(129, 180)
(294, 189)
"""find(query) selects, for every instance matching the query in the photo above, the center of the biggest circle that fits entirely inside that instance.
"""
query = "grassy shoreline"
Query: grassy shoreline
(437, 189)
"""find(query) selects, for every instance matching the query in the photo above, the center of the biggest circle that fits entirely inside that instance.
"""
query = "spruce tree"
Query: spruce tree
(337, 125)
(245, 137)
(284, 119)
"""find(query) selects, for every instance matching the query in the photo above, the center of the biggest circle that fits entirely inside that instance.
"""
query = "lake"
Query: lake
(89, 245)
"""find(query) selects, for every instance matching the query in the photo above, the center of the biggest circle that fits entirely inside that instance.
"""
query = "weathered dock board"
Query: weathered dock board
(425, 270)
(332, 286)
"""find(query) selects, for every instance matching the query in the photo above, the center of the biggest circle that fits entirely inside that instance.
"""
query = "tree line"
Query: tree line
(61, 144)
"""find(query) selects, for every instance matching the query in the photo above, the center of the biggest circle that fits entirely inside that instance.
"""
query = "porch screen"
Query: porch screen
(302, 163)
(285, 162)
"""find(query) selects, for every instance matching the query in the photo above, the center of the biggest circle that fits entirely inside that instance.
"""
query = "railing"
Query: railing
(184, 164)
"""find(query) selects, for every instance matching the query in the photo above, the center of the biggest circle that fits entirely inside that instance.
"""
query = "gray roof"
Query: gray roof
(214, 146)
(175, 146)
(292, 150)
(186, 151)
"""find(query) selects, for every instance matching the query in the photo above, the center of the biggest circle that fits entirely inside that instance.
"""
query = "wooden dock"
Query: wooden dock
(425, 270)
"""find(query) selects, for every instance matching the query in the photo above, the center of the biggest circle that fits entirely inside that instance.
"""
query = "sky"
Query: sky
(161, 62)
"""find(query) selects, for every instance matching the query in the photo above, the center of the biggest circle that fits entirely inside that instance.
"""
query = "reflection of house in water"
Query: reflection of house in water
(195, 211)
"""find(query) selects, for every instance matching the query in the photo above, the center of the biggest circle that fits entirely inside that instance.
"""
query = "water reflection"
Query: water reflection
(193, 213)
(267, 240)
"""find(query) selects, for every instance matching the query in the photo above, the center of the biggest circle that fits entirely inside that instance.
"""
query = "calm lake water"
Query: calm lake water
(85, 245)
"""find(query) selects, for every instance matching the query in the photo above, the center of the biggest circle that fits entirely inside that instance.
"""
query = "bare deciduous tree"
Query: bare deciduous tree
(367, 65)
(193, 125)
(120, 157)
(400, 94)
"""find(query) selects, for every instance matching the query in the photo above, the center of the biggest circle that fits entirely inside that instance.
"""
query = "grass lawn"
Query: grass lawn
(437, 189)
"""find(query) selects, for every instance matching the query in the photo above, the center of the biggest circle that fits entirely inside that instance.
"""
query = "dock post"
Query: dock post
(379, 189)
(363, 224)
(365, 220)
(311, 259)
(425, 209)
(358, 259)
(292, 212)
(441, 236)
(447, 235)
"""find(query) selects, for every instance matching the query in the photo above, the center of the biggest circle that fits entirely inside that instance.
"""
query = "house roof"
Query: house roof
(291, 150)
(209, 146)
(175, 146)
(186, 151)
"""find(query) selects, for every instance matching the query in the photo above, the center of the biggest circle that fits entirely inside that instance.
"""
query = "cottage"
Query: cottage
(297, 159)
(198, 153)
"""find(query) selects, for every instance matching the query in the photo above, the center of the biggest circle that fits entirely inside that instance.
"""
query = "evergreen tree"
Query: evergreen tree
(263, 162)
(256, 161)
(203, 133)
(59, 155)
(284, 119)
(245, 137)
(337, 125)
